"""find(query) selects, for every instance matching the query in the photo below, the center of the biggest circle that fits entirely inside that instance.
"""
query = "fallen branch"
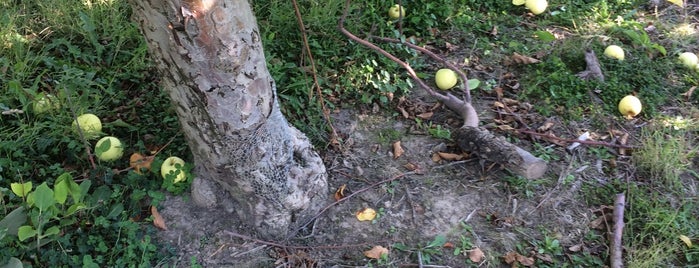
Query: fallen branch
(616, 250)
(587, 142)
(593, 71)
(532, 167)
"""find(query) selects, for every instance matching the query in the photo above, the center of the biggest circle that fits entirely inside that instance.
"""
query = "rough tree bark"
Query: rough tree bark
(210, 56)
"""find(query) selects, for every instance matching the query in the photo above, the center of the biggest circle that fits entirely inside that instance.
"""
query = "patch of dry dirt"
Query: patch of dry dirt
(462, 200)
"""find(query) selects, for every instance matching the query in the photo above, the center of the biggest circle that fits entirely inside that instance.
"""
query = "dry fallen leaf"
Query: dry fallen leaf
(450, 156)
(513, 258)
(410, 166)
(688, 93)
(138, 161)
(376, 252)
(521, 59)
(340, 193)
(158, 220)
(686, 240)
(476, 255)
(366, 214)
(397, 150)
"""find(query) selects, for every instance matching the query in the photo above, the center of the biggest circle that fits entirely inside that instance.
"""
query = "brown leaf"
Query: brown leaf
(436, 158)
(510, 257)
(688, 94)
(340, 193)
(450, 156)
(397, 150)
(425, 116)
(158, 220)
(366, 214)
(525, 261)
(138, 161)
(410, 166)
(376, 252)
(575, 248)
(476, 255)
(403, 112)
(622, 140)
(521, 59)
(546, 126)
(448, 245)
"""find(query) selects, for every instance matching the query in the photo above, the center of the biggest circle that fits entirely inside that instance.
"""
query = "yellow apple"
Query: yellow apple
(114, 152)
(90, 125)
(396, 11)
(615, 52)
(445, 79)
(630, 106)
(689, 59)
(536, 6)
(45, 103)
(170, 165)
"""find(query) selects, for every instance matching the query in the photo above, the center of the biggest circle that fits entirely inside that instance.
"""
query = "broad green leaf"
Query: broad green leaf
(66, 182)
(545, 36)
(21, 189)
(53, 230)
(438, 241)
(473, 83)
(25, 232)
(74, 208)
(13, 263)
(13, 220)
(84, 188)
(43, 197)
(60, 192)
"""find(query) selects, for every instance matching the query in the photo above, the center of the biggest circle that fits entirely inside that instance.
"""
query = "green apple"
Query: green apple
(90, 125)
(113, 152)
(689, 59)
(536, 6)
(614, 52)
(45, 103)
(630, 106)
(396, 11)
(445, 79)
(171, 165)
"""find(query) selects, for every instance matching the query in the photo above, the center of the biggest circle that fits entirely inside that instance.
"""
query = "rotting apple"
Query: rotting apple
(173, 164)
(445, 79)
(90, 125)
(396, 11)
(113, 152)
(630, 106)
(689, 59)
(536, 6)
(615, 52)
(45, 103)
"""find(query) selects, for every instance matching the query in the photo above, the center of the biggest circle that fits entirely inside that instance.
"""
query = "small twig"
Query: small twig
(588, 142)
(80, 130)
(615, 258)
(373, 185)
(326, 112)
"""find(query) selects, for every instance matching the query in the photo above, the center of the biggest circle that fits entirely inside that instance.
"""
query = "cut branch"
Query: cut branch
(615, 255)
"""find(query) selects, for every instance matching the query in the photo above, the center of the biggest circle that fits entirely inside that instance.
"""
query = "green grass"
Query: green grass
(92, 58)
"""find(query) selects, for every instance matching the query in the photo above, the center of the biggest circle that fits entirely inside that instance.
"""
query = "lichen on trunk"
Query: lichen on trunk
(213, 67)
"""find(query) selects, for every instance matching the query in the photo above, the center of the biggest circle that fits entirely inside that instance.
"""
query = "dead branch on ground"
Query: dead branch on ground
(593, 70)
(469, 137)
(615, 258)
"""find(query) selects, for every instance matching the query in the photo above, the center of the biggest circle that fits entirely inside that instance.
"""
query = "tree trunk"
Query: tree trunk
(213, 67)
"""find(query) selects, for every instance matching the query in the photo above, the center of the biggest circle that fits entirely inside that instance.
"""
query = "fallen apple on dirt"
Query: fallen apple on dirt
(396, 11)
(90, 124)
(630, 106)
(113, 152)
(445, 79)
(614, 52)
(173, 164)
(689, 59)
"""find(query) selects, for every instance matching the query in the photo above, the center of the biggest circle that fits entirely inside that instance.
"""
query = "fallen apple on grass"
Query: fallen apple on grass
(396, 11)
(614, 52)
(90, 125)
(171, 165)
(630, 106)
(689, 60)
(45, 103)
(536, 6)
(109, 149)
(445, 79)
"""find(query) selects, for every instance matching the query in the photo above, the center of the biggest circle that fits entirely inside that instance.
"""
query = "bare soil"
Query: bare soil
(464, 200)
